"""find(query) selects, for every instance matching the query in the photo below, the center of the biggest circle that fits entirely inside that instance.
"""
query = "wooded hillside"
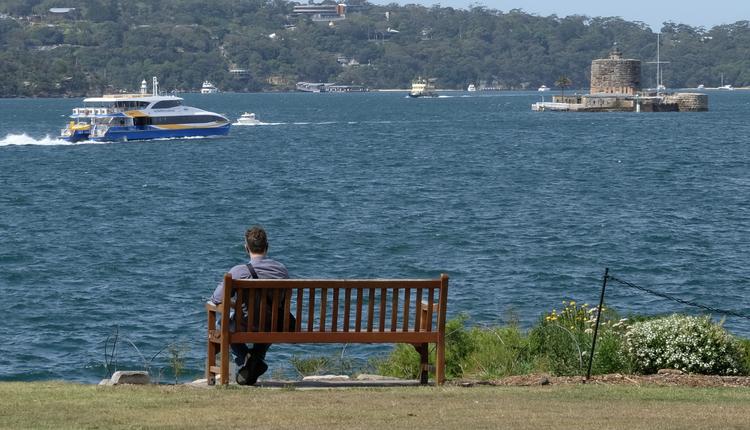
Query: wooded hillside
(111, 45)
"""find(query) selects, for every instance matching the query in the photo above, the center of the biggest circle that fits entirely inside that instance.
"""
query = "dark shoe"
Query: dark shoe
(249, 373)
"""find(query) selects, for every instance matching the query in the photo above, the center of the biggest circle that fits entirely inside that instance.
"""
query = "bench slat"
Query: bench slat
(323, 308)
(347, 307)
(370, 309)
(417, 312)
(381, 318)
(407, 297)
(358, 322)
(298, 314)
(430, 302)
(275, 305)
(394, 310)
(262, 311)
(335, 308)
(340, 337)
(311, 309)
(287, 309)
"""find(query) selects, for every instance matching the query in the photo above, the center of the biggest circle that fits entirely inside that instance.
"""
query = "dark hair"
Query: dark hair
(256, 240)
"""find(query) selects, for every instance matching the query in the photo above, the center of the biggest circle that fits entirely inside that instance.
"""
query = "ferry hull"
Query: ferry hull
(115, 134)
(76, 136)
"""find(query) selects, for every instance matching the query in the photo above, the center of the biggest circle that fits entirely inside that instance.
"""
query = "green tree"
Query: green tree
(563, 82)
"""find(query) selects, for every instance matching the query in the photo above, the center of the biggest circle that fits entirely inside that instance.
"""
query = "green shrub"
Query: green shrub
(690, 344)
(497, 352)
(609, 356)
(483, 353)
(558, 344)
(556, 349)
(402, 362)
(561, 343)
(458, 345)
(745, 344)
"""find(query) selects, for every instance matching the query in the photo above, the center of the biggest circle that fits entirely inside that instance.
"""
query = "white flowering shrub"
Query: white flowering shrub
(690, 344)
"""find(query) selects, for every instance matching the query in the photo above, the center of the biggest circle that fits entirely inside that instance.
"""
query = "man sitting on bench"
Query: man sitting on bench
(251, 361)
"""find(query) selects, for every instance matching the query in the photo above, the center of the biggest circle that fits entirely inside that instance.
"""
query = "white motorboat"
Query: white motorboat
(247, 118)
(471, 88)
(543, 88)
(208, 88)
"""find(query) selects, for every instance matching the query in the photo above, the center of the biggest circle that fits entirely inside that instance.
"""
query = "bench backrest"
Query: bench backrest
(338, 310)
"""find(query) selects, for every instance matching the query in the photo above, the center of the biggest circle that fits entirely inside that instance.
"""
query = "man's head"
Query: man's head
(256, 241)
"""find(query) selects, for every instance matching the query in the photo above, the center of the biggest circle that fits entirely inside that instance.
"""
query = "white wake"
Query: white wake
(25, 139)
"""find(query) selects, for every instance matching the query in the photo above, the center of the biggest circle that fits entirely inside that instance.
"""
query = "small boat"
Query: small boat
(543, 88)
(701, 87)
(724, 86)
(208, 88)
(123, 117)
(247, 118)
(471, 88)
(422, 87)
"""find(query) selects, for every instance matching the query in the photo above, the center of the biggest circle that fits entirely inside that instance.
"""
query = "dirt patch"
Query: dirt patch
(662, 379)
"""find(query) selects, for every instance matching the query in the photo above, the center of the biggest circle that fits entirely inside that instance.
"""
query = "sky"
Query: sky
(652, 12)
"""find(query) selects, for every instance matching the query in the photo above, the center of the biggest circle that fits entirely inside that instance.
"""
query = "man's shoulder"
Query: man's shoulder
(270, 268)
(239, 271)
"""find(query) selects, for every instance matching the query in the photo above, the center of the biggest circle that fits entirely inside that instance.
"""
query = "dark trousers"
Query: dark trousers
(240, 350)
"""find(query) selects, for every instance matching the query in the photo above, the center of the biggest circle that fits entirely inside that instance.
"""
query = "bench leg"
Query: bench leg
(424, 353)
(224, 379)
(210, 363)
(440, 361)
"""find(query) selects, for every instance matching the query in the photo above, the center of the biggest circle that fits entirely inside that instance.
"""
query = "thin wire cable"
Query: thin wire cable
(675, 299)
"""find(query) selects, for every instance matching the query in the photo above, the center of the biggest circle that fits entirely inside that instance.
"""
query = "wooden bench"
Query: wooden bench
(408, 311)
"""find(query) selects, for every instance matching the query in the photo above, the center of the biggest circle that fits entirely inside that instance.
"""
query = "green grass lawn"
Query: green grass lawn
(67, 405)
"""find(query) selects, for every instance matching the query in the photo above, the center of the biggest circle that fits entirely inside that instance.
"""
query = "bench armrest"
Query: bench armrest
(213, 307)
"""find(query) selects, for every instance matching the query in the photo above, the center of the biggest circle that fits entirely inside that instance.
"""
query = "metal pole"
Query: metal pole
(596, 327)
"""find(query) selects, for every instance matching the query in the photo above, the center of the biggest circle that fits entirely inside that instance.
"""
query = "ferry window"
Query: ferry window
(166, 104)
(192, 119)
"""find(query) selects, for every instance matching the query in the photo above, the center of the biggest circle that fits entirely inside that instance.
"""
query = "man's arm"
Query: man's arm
(237, 273)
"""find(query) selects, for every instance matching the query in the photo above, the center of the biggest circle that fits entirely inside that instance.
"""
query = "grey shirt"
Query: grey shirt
(265, 267)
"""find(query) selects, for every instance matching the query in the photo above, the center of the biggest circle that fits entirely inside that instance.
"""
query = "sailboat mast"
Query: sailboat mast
(658, 64)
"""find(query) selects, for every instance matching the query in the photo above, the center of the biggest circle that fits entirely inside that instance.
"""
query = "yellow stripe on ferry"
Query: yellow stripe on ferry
(184, 126)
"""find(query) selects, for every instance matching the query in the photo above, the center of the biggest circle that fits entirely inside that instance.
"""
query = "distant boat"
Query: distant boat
(543, 88)
(422, 87)
(313, 87)
(725, 86)
(208, 88)
(471, 88)
(247, 118)
(701, 87)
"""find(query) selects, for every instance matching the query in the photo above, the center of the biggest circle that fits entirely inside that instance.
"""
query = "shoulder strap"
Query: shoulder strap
(253, 273)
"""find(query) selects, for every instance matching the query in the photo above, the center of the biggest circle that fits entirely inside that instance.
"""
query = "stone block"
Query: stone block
(136, 377)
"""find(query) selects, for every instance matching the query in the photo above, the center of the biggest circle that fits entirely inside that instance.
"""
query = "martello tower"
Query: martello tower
(615, 75)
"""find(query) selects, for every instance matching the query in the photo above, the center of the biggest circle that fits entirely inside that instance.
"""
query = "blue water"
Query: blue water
(521, 209)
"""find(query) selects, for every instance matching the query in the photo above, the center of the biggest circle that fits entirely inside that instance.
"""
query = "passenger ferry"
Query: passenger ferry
(421, 87)
(123, 117)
